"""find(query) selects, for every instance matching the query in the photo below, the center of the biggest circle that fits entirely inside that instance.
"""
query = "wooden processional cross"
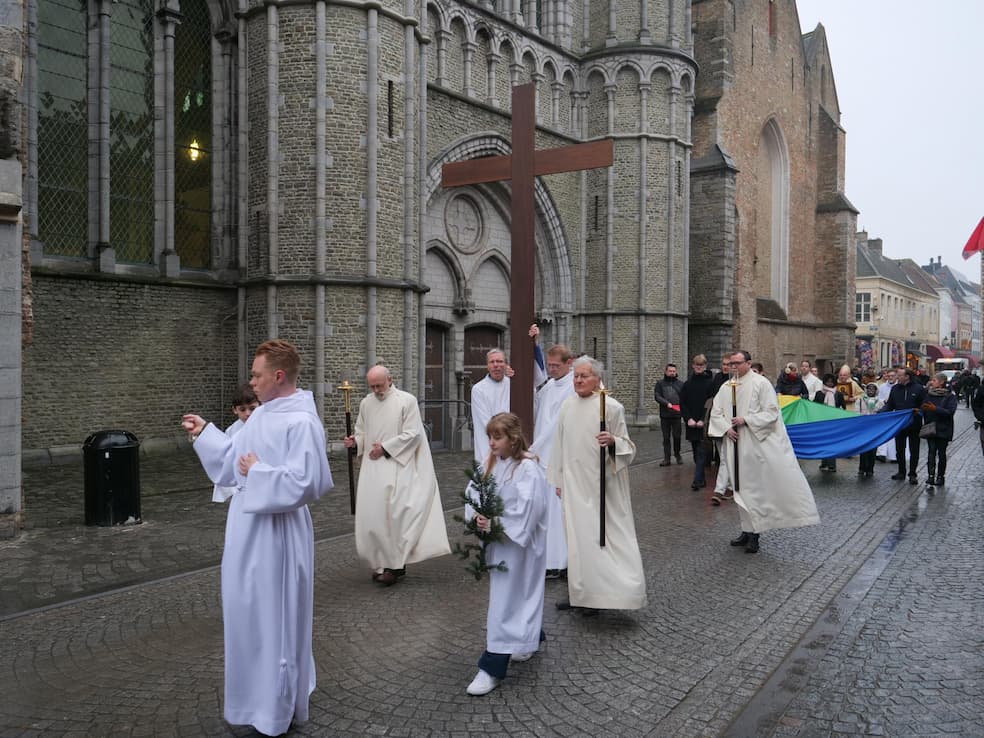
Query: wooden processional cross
(521, 167)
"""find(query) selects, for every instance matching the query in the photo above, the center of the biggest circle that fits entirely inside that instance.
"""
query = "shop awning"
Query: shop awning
(939, 352)
(972, 361)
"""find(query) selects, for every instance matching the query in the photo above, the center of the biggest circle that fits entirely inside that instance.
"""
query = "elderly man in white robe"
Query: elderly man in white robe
(608, 577)
(546, 410)
(770, 488)
(398, 515)
(278, 464)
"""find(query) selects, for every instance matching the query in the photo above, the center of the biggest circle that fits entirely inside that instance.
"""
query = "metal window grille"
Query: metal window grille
(62, 128)
(131, 131)
(193, 135)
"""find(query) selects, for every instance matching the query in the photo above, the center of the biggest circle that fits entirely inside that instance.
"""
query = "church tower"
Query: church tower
(332, 103)
(771, 253)
(639, 80)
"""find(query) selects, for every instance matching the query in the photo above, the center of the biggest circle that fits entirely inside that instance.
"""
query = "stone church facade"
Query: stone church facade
(771, 245)
(201, 175)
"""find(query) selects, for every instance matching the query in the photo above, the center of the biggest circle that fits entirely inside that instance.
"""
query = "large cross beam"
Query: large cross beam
(521, 167)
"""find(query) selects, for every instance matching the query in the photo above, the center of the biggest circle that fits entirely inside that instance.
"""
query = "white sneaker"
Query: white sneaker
(521, 656)
(483, 683)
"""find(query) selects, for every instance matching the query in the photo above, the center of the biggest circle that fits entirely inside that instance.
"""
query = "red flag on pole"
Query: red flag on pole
(976, 243)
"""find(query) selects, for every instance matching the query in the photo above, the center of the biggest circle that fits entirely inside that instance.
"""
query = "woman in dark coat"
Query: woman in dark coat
(938, 409)
(790, 383)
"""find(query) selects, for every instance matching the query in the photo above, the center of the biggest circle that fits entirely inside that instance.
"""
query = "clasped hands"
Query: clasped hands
(376, 451)
(483, 523)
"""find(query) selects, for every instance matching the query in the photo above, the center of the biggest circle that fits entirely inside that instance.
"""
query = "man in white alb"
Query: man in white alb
(546, 410)
(278, 464)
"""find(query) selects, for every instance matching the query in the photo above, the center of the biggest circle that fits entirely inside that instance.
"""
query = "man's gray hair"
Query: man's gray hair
(489, 354)
(597, 368)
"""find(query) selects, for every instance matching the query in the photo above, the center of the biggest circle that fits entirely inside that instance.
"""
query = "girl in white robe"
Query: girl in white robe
(515, 618)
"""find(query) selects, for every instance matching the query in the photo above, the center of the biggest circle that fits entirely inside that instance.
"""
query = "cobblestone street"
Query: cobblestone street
(863, 625)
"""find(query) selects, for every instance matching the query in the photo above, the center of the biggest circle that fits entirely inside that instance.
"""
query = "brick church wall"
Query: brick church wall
(116, 354)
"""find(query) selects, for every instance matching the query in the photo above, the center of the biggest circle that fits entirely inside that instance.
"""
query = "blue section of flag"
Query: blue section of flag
(842, 437)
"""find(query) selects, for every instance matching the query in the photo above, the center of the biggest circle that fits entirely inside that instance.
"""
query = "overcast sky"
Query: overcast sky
(910, 83)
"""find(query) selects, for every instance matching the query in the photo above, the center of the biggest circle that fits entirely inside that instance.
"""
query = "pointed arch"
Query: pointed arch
(776, 155)
(555, 289)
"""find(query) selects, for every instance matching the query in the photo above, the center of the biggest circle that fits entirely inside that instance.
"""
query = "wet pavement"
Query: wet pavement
(864, 625)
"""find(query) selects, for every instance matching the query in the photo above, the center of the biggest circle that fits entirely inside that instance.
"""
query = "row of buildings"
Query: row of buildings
(912, 315)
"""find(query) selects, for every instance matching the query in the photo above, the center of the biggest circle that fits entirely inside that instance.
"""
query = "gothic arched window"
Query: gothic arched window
(192, 134)
(131, 131)
(777, 196)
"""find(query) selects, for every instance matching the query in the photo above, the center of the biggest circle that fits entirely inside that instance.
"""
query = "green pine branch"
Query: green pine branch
(482, 496)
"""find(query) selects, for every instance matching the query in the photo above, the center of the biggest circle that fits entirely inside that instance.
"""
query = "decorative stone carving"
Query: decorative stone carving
(464, 223)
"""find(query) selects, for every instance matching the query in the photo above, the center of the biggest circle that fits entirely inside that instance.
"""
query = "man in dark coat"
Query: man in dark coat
(907, 394)
(667, 394)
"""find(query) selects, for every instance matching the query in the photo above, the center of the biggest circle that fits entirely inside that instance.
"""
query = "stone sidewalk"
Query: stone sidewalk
(146, 660)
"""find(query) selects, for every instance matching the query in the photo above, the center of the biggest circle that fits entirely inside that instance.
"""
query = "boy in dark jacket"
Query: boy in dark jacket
(697, 390)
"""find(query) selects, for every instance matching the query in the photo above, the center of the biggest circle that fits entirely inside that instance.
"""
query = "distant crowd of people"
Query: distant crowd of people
(933, 399)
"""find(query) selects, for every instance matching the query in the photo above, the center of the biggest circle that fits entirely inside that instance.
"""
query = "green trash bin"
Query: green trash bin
(111, 460)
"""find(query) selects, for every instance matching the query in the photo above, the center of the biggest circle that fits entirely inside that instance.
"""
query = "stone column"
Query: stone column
(99, 140)
(556, 88)
(494, 60)
(442, 37)
(468, 52)
(11, 266)
(168, 262)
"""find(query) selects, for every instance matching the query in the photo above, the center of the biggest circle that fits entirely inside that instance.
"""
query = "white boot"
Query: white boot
(521, 656)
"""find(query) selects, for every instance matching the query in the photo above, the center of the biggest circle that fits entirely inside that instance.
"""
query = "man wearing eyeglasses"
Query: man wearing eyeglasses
(769, 486)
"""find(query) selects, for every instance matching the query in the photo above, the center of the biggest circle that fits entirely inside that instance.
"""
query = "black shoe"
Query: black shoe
(564, 605)
(899, 476)
(664, 462)
(753, 544)
(553, 574)
(940, 480)
(679, 459)
(861, 472)
(694, 486)
(913, 480)
(931, 481)
(742, 539)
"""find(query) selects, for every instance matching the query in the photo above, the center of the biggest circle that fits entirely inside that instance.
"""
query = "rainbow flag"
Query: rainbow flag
(819, 431)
